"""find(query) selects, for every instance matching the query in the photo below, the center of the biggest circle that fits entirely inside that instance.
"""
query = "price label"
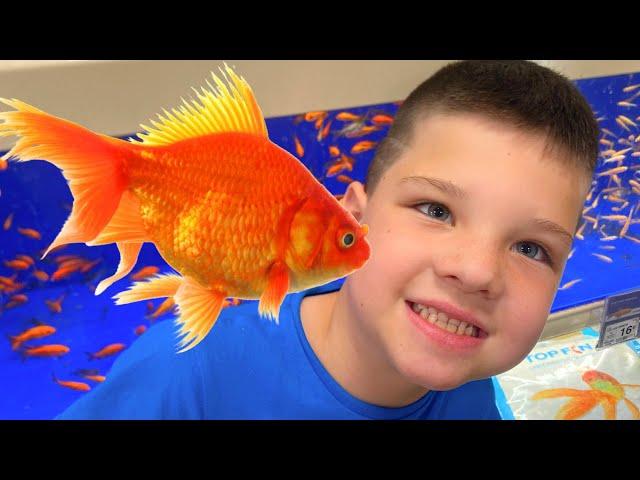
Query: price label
(620, 319)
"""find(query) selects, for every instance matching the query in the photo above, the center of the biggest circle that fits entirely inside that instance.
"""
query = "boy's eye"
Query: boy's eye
(532, 250)
(529, 249)
(434, 210)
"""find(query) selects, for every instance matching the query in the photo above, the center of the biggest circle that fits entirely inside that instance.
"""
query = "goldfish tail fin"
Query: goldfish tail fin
(92, 164)
(577, 407)
(227, 108)
(632, 407)
(273, 295)
(198, 306)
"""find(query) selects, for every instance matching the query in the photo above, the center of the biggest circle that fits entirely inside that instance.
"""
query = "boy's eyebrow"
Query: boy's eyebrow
(451, 188)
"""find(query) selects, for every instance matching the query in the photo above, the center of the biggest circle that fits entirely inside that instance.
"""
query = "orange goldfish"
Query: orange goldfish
(93, 375)
(363, 146)
(234, 214)
(313, 116)
(31, 334)
(348, 117)
(322, 134)
(382, 119)
(61, 273)
(41, 275)
(16, 300)
(334, 151)
(164, 307)
(96, 378)
(7, 222)
(53, 350)
(55, 306)
(605, 391)
(80, 386)
(17, 264)
(299, 147)
(8, 281)
(140, 329)
(107, 351)
(362, 131)
(145, 272)
(3, 164)
(336, 168)
(25, 258)
(344, 178)
(30, 232)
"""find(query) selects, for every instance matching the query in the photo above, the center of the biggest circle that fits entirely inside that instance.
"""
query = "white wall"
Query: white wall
(114, 97)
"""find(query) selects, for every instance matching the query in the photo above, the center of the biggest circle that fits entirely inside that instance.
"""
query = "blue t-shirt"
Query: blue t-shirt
(251, 368)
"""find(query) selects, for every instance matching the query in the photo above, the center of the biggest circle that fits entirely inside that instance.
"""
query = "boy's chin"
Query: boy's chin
(434, 377)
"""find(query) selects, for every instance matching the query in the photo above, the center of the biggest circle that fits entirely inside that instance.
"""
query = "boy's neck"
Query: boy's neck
(355, 362)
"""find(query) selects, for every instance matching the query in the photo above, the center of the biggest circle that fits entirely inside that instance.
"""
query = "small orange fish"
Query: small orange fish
(164, 307)
(313, 116)
(334, 151)
(8, 281)
(348, 117)
(89, 265)
(336, 168)
(149, 190)
(90, 374)
(54, 350)
(299, 147)
(150, 307)
(363, 146)
(3, 164)
(61, 273)
(30, 334)
(361, 132)
(55, 306)
(145, 272)
(7, 222)
(75, 263)
(30, 232)
(16, 300)
(107, 351)
(325, 131)
(25, 258)
(140, 329)
(344, 178)
(382, 119)
(80, 386)
(17, 264)
(63, 258)
(41, 275)
(96, 378)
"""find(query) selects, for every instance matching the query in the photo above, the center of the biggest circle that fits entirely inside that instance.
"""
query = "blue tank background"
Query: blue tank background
(38, 196)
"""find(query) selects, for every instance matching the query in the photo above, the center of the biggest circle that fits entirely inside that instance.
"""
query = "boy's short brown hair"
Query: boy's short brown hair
(522, 93)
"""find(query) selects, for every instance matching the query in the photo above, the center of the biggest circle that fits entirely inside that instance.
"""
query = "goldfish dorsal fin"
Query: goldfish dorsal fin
(227, 108)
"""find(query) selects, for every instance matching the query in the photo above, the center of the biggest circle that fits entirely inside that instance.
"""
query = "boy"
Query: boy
(472, 201)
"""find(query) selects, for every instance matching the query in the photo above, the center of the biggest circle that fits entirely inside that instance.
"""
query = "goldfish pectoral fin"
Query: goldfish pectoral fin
(609, 405)
(577, 407)
(198, 310)
(273, 295)
(158, 286)
(557, 392)
(126, 225)
(632, 408)
(128, 257)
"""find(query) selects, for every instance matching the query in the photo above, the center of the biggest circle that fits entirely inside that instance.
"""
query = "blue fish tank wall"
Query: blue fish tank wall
(336, 146)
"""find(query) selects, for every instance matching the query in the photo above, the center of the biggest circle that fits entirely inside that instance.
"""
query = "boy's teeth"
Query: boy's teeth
(440, 319)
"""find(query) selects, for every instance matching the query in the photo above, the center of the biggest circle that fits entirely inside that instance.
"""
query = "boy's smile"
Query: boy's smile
(473, 221)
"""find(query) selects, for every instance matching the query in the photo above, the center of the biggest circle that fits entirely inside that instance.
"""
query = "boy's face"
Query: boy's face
(481, 252)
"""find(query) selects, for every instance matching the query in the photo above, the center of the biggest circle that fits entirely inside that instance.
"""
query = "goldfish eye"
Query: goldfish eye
(347, 240)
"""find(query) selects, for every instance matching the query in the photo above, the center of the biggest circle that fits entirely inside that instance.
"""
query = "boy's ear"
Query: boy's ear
(355, 199)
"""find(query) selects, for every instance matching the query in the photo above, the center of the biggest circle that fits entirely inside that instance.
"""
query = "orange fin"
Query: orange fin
(558, 392)
(305, 235)
(229, 108)
(273, 295)
(577, 407)
(128, 257)
(92, 164)
(198, 309)
(126, 225)
(198, 306)
(609, 405)
(632, 408)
